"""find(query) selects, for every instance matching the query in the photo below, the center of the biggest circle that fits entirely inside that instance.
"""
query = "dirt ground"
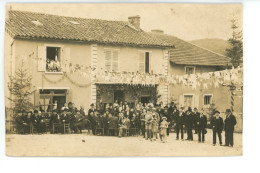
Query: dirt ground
(89, 145)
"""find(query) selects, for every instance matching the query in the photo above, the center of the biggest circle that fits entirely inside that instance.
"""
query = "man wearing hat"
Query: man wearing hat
(230, 122)
(179, 119)
(189, 122)
(196, 115)
(217, 127)
(201, 125)
(92, 109)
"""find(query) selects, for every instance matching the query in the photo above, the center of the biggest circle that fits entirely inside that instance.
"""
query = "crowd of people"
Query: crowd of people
(121, 119)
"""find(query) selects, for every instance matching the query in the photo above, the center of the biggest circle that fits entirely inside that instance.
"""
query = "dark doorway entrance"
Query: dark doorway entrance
(145, 99)
(119, 96)
(60, 101)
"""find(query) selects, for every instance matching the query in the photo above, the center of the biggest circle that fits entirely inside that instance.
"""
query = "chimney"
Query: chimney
(135, 21)
(157, 31)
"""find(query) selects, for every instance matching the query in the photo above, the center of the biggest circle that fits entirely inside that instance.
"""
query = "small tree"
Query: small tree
(235, 52)
(20, 89)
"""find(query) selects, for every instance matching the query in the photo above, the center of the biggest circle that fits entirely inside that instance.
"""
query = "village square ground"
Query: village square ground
(89, 145)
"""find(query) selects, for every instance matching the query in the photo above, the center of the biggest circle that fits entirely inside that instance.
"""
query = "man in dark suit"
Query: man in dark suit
(189, 123)
(230, 122)
(179, 120)
(217, 127)
(196, 115)
(201, 126)
(169, 116)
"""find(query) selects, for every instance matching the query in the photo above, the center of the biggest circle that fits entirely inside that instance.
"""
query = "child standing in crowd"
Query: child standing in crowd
(148, 124)
(155, 128)
(163, 129)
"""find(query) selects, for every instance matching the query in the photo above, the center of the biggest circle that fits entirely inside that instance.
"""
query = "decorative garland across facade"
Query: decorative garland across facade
(89, 75)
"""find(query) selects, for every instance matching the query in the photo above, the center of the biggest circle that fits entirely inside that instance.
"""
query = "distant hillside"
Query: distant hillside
(215, 45)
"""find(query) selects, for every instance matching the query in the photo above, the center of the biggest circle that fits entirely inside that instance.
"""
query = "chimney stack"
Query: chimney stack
(135, 21)
(157, 31)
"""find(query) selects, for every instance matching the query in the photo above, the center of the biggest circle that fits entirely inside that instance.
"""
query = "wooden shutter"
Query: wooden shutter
(141, 62)
(147, 62)
(65, 60)
(181, 101)
(115, 60)
(196, 101)
(41, 58)
(108, 60)
(69, 96)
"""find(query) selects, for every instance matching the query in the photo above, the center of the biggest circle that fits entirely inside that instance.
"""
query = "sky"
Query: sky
(186, 21)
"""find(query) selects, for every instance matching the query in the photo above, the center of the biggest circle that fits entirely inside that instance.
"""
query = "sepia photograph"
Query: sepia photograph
(123, 79)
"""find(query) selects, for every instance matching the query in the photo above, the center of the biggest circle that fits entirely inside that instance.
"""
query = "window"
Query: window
(188, 101)
(52, 99)
(189, 70)
(144, 62)
(53, 59)
(111, 60)
(207, 100)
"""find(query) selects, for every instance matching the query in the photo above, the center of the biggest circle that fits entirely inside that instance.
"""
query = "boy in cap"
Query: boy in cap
(217, 126)
(163, 129)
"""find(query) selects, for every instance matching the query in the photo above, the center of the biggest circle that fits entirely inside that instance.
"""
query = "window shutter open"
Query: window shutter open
(141, 62)
(41, 58)
(181, 101)
(108, 60)
(115, 61)
(66, 57)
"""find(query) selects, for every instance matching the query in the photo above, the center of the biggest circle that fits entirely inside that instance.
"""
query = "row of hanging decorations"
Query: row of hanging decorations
(87, 75)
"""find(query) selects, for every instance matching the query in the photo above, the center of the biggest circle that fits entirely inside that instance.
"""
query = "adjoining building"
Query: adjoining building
(51, 42)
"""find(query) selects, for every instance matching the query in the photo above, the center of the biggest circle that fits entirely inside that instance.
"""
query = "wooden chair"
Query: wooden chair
(47, 125)
(134, 130)
(113, 127)
(56, 127)
(99, 127)
(66, 128)
(127, 130)
(33, 128)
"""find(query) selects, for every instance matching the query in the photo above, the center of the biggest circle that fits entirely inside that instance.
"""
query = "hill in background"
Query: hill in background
(215, 45)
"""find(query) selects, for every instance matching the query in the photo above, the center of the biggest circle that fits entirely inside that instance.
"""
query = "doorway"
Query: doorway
(119, 96)
(145, 99)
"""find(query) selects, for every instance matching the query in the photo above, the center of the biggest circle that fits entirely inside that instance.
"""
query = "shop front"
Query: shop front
(111, 93)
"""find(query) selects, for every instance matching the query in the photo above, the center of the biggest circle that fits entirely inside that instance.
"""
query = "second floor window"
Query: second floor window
(53, 59)
(189, 70)
(144, 62)
(111, 60)
(207, 100)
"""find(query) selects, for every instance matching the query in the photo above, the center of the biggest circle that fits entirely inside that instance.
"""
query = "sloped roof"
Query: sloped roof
(189, 54)
(37, 25)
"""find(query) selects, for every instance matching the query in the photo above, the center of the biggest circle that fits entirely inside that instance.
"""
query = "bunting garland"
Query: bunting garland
(88, 75)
